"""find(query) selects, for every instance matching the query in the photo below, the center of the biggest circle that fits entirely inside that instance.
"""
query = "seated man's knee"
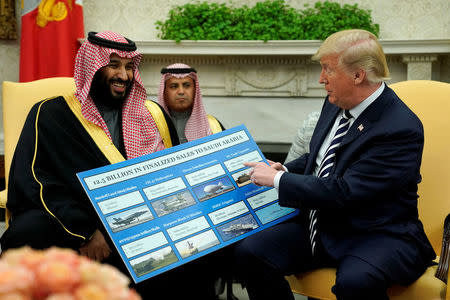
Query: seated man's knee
(243, 254)
(281, 247)
(359, 280)
(36, 229)
(249, 256)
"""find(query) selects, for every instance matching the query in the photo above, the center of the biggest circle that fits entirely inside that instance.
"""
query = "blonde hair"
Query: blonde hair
(357, 49)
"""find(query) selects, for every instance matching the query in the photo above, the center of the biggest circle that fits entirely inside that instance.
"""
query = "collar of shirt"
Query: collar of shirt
(355, 112)
(358, 109)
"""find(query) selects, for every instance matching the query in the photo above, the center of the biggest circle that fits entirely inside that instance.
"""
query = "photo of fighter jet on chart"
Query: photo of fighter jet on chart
(213, 188)
(129, 218)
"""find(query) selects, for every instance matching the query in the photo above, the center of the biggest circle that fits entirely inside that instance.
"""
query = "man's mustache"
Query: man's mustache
(118, 80)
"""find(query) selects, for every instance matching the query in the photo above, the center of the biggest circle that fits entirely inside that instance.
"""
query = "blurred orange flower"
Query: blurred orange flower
(59, 274)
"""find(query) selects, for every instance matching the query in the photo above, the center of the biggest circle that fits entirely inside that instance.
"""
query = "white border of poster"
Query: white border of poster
(167, 208)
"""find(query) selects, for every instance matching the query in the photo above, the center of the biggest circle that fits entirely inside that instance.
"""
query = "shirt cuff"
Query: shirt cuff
(276, 179)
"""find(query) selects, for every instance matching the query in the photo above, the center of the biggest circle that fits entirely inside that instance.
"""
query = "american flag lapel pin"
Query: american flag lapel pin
(360, 127)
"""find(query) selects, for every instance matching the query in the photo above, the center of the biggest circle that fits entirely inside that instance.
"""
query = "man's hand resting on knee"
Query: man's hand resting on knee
(96, 248)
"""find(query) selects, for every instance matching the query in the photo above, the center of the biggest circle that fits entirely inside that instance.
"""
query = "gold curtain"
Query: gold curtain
(7, 20)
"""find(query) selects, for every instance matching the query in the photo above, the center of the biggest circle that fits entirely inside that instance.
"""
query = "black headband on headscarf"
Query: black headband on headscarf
(130, 46)
(178, 70)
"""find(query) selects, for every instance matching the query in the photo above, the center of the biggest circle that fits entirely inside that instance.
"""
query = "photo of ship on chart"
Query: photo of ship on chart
(237, 227)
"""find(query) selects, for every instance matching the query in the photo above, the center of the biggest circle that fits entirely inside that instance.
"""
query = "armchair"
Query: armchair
(18, 98)
(429, 100)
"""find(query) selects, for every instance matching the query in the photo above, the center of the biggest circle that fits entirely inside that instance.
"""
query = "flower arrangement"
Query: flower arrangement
(59, 274)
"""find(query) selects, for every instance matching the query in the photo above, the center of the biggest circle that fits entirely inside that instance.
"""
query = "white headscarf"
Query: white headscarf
(197, 125)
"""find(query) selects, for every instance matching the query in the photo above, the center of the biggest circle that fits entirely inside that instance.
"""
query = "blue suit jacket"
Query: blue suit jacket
(370, 198)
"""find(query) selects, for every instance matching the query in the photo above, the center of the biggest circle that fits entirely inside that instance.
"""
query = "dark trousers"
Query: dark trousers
(37, 230)
(263, 259)
(194, 280)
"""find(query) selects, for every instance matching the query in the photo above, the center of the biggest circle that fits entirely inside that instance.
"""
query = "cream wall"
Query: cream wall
(398, 19)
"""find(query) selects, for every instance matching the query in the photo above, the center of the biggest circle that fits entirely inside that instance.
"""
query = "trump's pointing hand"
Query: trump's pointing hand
(263, 174)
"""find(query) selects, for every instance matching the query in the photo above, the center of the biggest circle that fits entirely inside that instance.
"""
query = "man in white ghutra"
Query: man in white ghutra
(356, 188)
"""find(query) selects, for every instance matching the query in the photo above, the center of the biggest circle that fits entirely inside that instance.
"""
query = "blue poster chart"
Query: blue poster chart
(167, 208)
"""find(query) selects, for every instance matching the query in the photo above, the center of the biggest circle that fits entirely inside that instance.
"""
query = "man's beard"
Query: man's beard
(101, 91)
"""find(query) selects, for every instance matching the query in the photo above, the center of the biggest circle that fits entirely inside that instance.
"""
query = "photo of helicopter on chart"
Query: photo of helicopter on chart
(213, 188)
(129, 218)
(173, 203)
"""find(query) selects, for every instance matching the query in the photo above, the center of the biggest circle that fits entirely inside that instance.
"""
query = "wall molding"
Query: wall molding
(280, 48)
(275, 68)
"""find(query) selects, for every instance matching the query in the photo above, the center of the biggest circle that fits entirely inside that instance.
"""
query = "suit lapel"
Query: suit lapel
(326, 120)
(361, 124)
(367, 118)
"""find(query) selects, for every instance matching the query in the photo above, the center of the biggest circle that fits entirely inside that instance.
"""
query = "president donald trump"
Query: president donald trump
(356, 189)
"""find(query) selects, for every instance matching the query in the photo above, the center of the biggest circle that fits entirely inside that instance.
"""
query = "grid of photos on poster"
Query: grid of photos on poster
(185, 214)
